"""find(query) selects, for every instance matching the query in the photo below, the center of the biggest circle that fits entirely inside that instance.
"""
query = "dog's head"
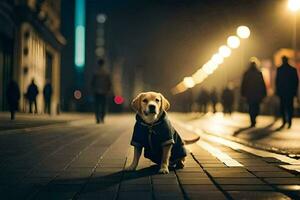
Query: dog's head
(150, 105)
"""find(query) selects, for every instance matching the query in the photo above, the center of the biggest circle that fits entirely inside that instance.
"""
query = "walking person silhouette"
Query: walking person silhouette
(253, 88)
(101, 86)
(287, 82)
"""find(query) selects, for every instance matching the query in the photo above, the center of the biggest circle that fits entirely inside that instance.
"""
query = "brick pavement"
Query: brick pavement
(87, 162)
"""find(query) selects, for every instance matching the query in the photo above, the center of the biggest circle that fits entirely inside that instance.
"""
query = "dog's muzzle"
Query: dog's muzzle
(152, 109)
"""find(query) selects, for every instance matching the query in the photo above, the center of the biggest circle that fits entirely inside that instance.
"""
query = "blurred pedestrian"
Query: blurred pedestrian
(253, 89)
(101, 86)
(47, 92)
(286, 88)
(32, 92)
(228, 99)
(214, 99)
(203, 100)
(13, 97)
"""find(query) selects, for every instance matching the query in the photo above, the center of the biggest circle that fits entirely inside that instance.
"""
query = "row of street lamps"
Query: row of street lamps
(233, 42)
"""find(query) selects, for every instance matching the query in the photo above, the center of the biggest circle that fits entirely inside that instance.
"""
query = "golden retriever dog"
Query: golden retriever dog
(153, 132)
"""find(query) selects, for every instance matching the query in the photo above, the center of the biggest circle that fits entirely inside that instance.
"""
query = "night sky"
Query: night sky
(171, 39)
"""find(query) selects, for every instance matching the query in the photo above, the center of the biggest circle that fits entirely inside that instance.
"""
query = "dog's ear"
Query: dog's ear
(136, 102)
(164, 103)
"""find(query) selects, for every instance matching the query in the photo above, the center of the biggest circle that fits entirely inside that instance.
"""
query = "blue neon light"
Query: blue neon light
(80, 33)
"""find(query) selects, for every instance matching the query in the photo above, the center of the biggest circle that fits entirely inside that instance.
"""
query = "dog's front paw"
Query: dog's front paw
(163, 170)
(130, 168)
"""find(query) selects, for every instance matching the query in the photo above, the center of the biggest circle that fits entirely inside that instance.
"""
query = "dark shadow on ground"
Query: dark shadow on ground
(240, 130)
(258, 133)
(107, 182)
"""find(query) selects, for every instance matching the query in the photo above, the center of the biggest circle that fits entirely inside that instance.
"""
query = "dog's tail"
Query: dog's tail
(191, 141)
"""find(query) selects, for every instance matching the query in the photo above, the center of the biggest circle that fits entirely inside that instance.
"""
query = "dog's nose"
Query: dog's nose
(152, 108)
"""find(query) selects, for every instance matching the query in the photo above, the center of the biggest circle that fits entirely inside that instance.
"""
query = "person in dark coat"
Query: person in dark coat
(32, 92)
(227, 100)
(13, 97)
(47, 92)
(286, 89)
(101, 86)
(214, 99)
(203, 100)
(253, 88)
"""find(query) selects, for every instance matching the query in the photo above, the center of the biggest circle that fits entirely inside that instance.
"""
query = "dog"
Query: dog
(154, 132)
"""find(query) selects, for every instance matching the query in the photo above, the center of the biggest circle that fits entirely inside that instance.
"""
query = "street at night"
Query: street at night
(78, 159)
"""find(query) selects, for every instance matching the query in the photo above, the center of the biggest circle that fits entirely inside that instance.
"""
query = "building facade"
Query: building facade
(30, 46)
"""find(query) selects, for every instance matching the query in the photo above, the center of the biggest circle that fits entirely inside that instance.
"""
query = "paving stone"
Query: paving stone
(97, 196)
(166, 181)
(135, 195)
(210, 165)
(215, 161)
(264, 169)
(192, 175)
(273, 174)
(139, 187)
(258, 195)
(283, 181)
(93, 188)
(246, 187)
(215, 195)
(288, 187)
(196, 187)
(195, 181)
(190, 169)
(221, 173)
(167, 196)
(164, 176)
(143, 180)
(271, 160)
(54, 195)
(227, 170)
(242, 181)
(19, 191)
(43, 174)
(36, 180)
(166, 188)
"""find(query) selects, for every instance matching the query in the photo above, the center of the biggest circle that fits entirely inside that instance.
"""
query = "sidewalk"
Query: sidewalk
(87, 162)
(26, 120)
(236, 127)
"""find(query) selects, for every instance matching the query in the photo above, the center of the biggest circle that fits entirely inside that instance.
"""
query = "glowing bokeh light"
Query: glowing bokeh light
(119, 100)
(77, 94)
(233, 42)
(217, 59)
(188, 82)
(294, 5)
(101, 18)
(243, 32)
(224, 51)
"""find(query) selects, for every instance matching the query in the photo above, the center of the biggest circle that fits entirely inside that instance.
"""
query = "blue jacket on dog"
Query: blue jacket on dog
(154, 136)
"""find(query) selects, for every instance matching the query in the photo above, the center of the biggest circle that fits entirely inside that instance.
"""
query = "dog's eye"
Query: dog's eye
(145, 101)
(157, 100)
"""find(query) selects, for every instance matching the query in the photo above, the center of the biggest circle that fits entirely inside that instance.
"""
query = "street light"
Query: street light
(294, 5)
(243, 32)
(224, 51)
(233, 42)
(217, 59)
(188, 82)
